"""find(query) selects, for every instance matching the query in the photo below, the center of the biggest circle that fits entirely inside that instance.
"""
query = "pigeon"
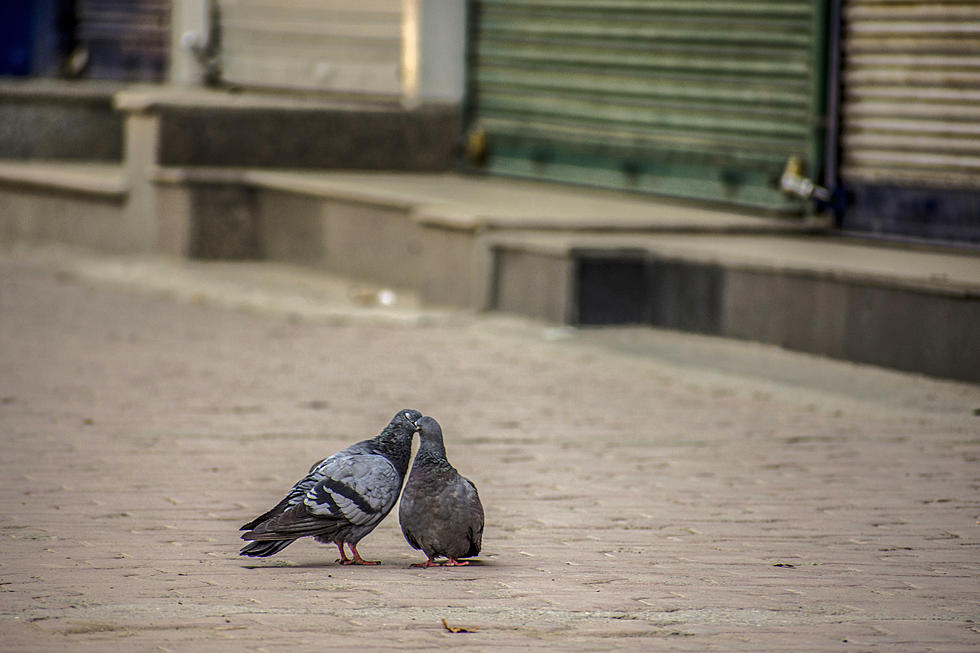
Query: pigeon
(440, 511)
(343, 498)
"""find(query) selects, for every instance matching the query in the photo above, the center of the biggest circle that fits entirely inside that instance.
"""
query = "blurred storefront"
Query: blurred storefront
(872, 104)
(312, 46)
(698, 99)
(910, 118)
(123, 40)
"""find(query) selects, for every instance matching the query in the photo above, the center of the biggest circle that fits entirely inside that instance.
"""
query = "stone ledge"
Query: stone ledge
(471, 203)
(62, 90)
(907, 310)
(108, 181)
(152, 98)
(819, 258)
(59, 120)
(206, 127)
(314, 183)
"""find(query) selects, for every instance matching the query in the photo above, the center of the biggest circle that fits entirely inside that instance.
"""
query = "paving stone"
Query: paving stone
(690, 501)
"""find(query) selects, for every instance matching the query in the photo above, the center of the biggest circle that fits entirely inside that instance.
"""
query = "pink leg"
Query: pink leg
(453, 562)
(344, 560)
(357, 559)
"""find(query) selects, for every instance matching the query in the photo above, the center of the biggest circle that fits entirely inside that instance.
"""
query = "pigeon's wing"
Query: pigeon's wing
(359, 489)
(299, 491)
(295, 496)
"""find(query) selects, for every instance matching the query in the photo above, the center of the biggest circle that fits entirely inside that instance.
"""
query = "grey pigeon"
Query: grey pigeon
(440, 511)
(343, 498)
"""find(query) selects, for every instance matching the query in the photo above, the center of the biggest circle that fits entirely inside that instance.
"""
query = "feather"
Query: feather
(343, 497)
(440, 511)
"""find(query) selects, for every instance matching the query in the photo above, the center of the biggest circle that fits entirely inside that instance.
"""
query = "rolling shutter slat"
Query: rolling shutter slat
(312, 45)
(694, 99)
(911, 101)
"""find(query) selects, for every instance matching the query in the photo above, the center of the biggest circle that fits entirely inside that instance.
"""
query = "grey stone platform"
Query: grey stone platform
(60, 120)
(430, 232)
(563, 254)
(66, 202)
(912, 310)
(581, 257)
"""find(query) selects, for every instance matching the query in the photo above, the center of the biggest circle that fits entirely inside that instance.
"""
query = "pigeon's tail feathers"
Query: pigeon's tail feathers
(264, 548)
(258, 520)
(290, 500)
(292, 524)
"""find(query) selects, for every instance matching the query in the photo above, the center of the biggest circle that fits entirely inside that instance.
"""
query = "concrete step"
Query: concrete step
(213, 127)
(60, 120)
(562, 254)
(48, 119)
(914, 310)
(87, 178)
(477, 202)
(66, 202)
(584, 257)
(425, 232)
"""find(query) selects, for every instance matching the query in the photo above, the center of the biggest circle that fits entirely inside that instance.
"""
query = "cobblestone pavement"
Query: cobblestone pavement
(644, 490)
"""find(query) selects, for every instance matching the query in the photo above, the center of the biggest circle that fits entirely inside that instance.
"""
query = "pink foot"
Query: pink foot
(428, 563)
(453, 562)
(360, 561)
(356, 559)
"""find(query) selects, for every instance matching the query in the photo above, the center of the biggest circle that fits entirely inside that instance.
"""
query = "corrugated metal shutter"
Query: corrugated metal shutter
(911, 93)
(125, 40)
(329, 45)
(703, 99)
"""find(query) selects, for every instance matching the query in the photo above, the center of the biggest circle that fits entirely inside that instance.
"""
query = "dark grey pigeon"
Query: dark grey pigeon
(343, 498)
(440, 511)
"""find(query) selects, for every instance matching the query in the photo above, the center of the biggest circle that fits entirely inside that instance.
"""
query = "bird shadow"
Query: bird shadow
(325, 564)
(279, 564)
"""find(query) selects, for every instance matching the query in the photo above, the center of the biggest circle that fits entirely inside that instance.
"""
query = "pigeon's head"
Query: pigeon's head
(395, 440)
(405, 422)
(429, 429)
(431, 447)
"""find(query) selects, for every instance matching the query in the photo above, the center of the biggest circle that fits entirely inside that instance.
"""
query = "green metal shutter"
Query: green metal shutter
(911, 103)
(689, 98)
